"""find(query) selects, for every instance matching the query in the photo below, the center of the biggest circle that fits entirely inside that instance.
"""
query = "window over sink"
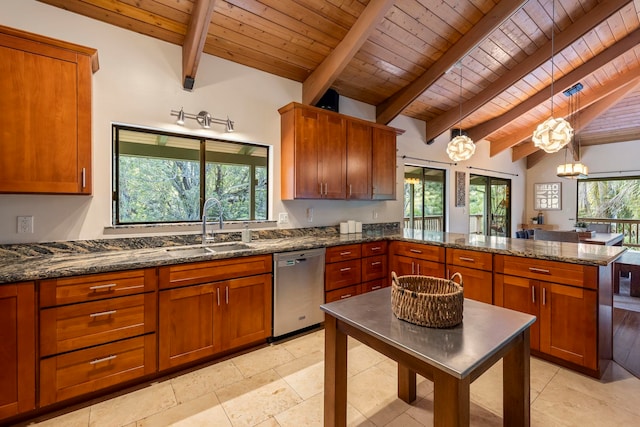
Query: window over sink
(161, 177)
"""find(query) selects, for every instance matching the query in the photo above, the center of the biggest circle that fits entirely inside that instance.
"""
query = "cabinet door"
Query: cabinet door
(332, 154)
(46, 118)
(358, 161)
(403, 266)
(519, 294)
(247, 313)
(18, 354)
(189, 327)
(306, 158)
(568, 322)
(477, 284)
(383, 170)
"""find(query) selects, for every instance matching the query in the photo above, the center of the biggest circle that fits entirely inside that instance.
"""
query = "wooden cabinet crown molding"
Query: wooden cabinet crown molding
(72, 47)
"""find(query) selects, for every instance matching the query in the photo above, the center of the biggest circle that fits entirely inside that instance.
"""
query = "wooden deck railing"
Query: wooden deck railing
(431, 223)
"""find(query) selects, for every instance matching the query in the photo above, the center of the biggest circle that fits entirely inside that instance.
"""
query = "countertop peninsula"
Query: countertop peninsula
(24, 262)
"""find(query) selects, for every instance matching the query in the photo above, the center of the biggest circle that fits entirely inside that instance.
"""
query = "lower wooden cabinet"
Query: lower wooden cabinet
(408, 258)
(18, 353)
(476, 269)
(566, 325)
(96, 331)
(80, 372)
(200, 321)
(567, 321)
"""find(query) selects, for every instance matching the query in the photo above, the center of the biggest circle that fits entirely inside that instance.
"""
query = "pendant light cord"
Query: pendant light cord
(553, 24)
(460, 123)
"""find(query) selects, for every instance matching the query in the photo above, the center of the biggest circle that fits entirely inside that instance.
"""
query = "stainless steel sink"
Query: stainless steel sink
(207, 249)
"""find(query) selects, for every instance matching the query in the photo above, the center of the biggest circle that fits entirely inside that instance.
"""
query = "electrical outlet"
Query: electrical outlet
(309, 214)
(25, 224)
(375, 214)
(283, 218)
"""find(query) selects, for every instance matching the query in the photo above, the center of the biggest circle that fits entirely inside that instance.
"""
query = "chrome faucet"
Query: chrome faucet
(207, 204)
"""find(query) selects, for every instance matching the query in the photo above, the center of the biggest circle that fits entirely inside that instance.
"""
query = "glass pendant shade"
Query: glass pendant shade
(572, 170)
(461, 148)
(552, 134)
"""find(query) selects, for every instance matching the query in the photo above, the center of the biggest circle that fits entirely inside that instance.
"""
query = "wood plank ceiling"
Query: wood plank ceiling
(427, 59)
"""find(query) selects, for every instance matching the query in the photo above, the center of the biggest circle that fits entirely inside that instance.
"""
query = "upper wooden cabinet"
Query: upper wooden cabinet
(45, 123)
(326, 155)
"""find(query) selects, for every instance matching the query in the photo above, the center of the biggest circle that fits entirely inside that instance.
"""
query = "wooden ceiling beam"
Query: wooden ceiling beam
(485, 129)
(594, 105)
(195, 39)
(595, 16)
(393, 106)
(326, 73)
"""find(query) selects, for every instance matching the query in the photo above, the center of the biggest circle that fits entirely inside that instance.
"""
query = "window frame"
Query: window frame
(204, 157)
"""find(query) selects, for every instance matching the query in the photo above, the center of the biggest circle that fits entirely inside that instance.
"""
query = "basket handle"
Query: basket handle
(457, 274)
(394, 278)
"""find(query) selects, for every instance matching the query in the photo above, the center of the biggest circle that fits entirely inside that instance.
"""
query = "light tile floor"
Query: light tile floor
(281, 385)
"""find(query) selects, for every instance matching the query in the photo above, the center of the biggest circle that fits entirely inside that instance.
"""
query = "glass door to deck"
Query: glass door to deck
(489, 206)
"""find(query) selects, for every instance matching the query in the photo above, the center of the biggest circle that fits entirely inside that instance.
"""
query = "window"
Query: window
(424, 198)
(161, 177)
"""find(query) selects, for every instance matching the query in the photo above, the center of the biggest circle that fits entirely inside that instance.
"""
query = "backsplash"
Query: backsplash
(126, 243)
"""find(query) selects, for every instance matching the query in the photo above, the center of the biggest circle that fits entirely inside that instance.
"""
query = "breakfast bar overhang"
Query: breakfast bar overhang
(452, 358)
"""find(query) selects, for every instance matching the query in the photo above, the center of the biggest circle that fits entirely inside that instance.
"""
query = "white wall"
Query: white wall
(139, 82)
(607, 160)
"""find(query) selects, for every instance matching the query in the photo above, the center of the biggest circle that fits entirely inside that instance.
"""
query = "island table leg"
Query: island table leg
(335, 374)
(516, 383)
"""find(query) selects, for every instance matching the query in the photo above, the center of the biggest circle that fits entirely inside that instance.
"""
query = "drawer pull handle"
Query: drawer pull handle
(415, 251)
(100, 287)
(345, 296)
(104, 359)
(104, 313)
(376, 287)
(533, 294)
(345, 269)
(377, 248)
(345, 253)
(539, 270)
(544, 296)
(376, 263)
(464, 258)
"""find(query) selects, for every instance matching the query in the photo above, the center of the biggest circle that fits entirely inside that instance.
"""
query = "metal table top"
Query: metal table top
(485, 329)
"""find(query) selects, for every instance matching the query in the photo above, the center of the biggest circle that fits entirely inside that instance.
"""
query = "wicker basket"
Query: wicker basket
(427, 301)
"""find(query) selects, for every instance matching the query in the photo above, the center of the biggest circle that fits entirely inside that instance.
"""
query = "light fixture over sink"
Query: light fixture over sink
(203, 118)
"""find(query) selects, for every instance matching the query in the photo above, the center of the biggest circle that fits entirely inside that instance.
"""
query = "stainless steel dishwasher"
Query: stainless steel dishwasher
(298, 290)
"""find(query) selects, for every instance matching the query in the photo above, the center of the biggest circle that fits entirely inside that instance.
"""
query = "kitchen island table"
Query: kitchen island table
(452, 358)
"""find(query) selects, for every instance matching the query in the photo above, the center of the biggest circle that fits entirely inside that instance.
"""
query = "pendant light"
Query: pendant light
(573, 170)
(461, 147)
(554, 133)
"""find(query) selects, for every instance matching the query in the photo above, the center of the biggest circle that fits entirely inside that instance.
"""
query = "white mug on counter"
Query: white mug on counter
(350, 227)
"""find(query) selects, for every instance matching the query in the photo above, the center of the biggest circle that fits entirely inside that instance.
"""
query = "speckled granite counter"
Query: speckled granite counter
(62, 259)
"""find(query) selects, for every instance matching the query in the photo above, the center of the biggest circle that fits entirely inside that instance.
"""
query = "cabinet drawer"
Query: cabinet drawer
(584, 276)
(414, 250)
(374, 285)
(338, 294)
(342, 253)
(341, 274)
(470, 259)
(76, 326)
(96, 286)
(374, 248)
(210, 271)
(374, 267)
(84, 371)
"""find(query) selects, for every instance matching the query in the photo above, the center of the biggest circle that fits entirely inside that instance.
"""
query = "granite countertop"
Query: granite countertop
(63, 259)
